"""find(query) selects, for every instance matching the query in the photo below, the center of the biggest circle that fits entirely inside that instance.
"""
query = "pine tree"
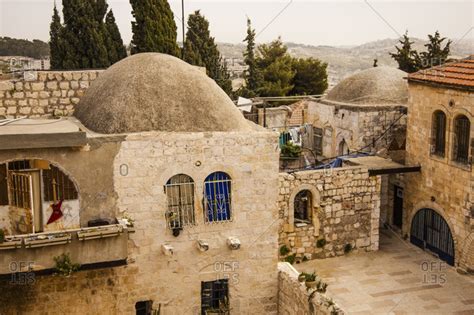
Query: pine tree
(251, 75)
(407, 58)
(275, 65)
(56, 49)
(114, 43)
(200, 49)
(310, 78)
(435, 55)
(154, 28)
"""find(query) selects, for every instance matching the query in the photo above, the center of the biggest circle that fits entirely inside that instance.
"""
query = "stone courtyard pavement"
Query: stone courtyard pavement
(398, 279)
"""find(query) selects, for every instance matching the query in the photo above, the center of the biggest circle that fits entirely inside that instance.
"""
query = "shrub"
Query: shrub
(290, 259)
(64, 265)
(2, 236)
(284, 250)
(290, 150)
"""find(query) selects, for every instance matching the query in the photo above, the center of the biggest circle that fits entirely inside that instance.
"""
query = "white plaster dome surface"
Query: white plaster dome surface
(374, 86)
(157, 92)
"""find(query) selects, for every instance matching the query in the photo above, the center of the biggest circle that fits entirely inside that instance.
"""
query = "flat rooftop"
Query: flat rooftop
(41, 133)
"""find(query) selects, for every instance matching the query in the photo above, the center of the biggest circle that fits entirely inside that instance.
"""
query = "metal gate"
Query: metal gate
(430, 231)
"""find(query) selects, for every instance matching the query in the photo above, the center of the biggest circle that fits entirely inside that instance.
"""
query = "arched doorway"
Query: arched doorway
(430, 231)
(343, 148)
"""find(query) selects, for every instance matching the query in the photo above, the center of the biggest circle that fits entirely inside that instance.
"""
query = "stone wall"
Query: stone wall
(345, 210)
(44, 93)
(443, 184)
(294, 298)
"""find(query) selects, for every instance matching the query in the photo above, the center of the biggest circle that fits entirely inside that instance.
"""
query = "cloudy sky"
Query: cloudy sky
(310, 22)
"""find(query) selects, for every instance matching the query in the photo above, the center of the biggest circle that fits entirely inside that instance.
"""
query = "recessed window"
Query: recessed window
(215, 297)
(462, 129)
(302, 206)
(217, 197)
(438, 133)
(318, 140)
(180, 196)
(143, 307)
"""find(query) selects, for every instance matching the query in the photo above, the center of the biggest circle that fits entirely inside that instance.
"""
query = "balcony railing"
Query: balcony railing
(85, 246)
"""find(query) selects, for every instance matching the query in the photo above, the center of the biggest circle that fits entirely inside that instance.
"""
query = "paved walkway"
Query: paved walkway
(398, 279)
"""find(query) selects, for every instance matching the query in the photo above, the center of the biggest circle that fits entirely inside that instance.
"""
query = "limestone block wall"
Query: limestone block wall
(345, 210)
(293, 297)
(44, 93)
(443, 185)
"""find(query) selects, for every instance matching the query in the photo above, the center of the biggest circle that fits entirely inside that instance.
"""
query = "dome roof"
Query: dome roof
(374, 86)
(152, 91)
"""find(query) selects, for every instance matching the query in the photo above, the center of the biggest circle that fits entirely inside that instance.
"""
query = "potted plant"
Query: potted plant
(310, 280)
(302, 277)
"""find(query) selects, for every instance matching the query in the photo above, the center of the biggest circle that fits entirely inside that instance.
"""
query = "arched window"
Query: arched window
(180, 195)
(303, 205)
(438, 133)
(462, 129)
(217, 197)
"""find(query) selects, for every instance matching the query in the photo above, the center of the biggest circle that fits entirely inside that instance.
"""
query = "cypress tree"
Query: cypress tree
(154, 28)
(56, 50)
(114, 42)
(251, 76)
(200, 49)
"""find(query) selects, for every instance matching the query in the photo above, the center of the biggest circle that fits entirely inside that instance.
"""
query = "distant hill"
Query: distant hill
(21, 47)
(345, 60)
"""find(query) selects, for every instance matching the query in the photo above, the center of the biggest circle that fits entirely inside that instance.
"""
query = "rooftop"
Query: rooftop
(458, 74)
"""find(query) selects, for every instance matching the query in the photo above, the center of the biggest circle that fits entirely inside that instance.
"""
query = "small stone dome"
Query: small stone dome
(157, 92)
(375, 86)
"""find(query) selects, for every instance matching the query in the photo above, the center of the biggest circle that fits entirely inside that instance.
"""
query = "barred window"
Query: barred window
(462, 129)
(303, 207)
(439, 133)
(318, 140)
(180, 194)
(57, 185)
(217, 197)
(215, 297)
(19, 189)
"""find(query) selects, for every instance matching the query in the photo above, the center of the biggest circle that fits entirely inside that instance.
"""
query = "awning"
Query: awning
(380, 166)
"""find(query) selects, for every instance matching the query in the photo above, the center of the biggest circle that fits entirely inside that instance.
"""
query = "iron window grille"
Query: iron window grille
(439, 133)
(19, 185)
(462, 129)
(217, 197)
(302, 206)
(215, 297)
(180, 196)
(318, 140)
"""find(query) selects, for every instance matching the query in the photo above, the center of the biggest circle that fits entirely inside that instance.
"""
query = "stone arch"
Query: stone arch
(438, 209)
(316, 200)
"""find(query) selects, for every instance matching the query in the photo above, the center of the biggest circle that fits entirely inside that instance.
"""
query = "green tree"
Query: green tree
(310, 77)
(435, 54)
(56, 48)
(84, 45)
(154, 28)
(251, 75)
(114, 43)
(275, 65)
(200, 49)
(22, 47)
(407, 58)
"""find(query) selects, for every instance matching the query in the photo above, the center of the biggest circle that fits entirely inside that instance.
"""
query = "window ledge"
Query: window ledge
(460, 165)
(302, 224)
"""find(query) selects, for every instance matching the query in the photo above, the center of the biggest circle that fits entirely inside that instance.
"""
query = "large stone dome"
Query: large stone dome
(375, 86)
(152, 91)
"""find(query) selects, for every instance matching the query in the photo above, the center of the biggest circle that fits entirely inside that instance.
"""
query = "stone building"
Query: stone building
(160, 190)
(356, 114)
(439, 203)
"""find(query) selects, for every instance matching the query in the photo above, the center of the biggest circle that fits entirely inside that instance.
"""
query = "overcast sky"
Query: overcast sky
(310, 22)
